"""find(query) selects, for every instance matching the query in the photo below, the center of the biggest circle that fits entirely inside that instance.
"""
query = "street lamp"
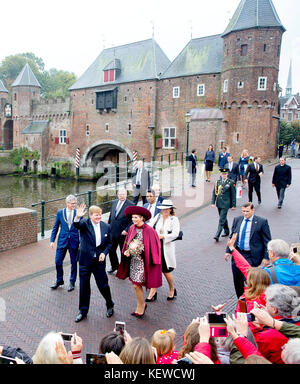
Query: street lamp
(188, 117)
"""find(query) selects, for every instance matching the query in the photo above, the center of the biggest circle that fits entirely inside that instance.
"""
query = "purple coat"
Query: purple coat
(152, 257)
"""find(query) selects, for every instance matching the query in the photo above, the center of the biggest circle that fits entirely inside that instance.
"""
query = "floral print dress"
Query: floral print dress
(137, 269)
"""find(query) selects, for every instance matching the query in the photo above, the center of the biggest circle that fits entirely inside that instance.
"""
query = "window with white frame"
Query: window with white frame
(240, 84)
(290, 116)
(106, 127)
(283, 115)
(176, 92)
(62, 136)
(297, 116)
(169, 136)
(201, 90)
(225, 87)
(262, 84)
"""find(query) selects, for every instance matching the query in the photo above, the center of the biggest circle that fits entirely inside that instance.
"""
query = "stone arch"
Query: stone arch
(265, 103)
(255, 103)
(244, 103)
(233, 104)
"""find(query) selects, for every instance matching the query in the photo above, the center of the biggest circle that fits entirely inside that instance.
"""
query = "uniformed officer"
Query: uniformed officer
(224, 197)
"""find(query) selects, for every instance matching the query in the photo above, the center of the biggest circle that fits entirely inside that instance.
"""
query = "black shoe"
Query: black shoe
(259, 202)
(153, 298)
(56, 285)
(110, 312)
(216, 238)
(279, 206)
(112, 270)
(71, 287)
(80, 317)
(225, 234)
(172, 298)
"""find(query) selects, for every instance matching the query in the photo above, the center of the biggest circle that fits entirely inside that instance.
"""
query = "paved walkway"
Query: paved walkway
(202, 277)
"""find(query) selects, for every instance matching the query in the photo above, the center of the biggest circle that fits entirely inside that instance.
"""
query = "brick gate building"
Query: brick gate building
(132, 98)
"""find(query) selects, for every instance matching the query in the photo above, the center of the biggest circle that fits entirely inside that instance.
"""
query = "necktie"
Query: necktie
(70, 217)
(118, 207)
(243, 236)
(256, 167)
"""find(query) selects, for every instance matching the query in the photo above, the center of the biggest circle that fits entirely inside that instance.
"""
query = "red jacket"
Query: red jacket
(270, 343)
(205, 348)
(245, 347)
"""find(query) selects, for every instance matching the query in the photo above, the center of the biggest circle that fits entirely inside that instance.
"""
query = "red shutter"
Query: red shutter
(105, 76)
(67, 140)
(175, 143)
(56, 140)
(158, 143)
(112, 75)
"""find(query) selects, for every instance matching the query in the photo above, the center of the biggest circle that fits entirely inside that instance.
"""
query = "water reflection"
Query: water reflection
(22, 192)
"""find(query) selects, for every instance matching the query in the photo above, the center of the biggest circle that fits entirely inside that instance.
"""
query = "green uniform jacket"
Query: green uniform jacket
(227, 197)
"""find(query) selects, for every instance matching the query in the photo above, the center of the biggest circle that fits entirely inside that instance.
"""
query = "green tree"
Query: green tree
(295, 125)
(58, 82)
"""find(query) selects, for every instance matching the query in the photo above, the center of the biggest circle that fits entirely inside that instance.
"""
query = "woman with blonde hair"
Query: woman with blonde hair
(137, 351)
(163, 342)
(243, 163)
(257, 280)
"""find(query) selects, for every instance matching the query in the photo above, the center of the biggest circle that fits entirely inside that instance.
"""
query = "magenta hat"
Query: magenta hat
(137, 210)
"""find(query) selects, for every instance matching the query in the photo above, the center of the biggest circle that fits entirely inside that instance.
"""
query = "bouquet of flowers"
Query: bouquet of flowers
(135, 247)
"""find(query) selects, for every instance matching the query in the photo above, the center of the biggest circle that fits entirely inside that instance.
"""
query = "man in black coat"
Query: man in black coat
(252, 177)
(95, 244)
(253, 235)
(282, 178)
(233, 170)
(192, 167)
(119, 225)
(140, 183)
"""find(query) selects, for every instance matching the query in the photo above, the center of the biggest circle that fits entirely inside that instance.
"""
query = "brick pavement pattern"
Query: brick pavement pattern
(202, 277)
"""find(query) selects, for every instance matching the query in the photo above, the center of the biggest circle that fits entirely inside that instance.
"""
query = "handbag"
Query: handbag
(179, 237)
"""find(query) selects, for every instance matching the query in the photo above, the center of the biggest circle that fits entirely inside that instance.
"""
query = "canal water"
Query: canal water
(17, 191)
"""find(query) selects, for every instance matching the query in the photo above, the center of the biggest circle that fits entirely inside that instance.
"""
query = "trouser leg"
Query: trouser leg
(250, 192)
(257, 190)
(222, 221)
(59, 259)
(281, 196)
(113, 257)
(73, 257)
(84, 289)
(102, 283)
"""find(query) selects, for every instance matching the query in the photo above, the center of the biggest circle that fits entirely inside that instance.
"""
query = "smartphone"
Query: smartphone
(216, 318)
(184, 360)
(295, 250)
(7, 360)
(250, 317)
(66, 336)
(242, 305)
(120, 327)
(218, 331)
(95, 358)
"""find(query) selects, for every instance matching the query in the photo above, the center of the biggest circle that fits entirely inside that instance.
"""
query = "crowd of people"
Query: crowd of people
(265, 326)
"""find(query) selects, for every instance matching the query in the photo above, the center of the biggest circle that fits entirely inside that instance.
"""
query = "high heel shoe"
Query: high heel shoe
(173, 297)
(153, 298)
(139, 315)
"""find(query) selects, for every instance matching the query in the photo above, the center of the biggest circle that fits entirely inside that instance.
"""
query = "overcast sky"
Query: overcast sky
(70, 34)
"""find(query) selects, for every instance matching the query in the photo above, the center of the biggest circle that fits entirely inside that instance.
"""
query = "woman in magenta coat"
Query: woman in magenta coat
(141, 256)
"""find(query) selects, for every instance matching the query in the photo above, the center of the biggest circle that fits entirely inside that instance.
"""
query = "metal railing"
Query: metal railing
(121, 176)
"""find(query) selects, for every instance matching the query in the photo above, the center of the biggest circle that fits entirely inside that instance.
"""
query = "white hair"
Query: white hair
(284, 298)
(291, 352)
(46, 353)
(280, 248)
(71, 198)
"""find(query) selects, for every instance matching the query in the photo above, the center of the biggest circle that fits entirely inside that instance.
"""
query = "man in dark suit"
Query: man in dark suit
(253, 235)
(282, 178)
(152, 202)
(119, 225)
(252, 177)
(95, 244)
(140, 183)
(223, 158)
(233, 170)
(192, 167)
(68, 240)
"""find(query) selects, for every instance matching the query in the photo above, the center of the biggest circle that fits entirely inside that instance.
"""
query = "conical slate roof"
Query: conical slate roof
(254, 14)
(2, 87)
(26, 78)
(143, 60)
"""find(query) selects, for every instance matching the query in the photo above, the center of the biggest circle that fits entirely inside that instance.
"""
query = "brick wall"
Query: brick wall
(18, 227)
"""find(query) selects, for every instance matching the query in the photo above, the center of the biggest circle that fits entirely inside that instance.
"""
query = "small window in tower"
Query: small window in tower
(87, 130)
(262, 84)
(278, 50)
(15, 96)
(201, 90)
(225, 87)
(129, 129)
(244, 48)
(176, 92)
(106, 127)
(240, 84)
(265, 47)
(237, 138)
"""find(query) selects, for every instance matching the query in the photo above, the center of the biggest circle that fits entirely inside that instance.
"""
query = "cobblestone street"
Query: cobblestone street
(202, 277)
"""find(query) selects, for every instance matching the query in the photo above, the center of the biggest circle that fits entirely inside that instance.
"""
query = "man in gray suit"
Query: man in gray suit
(140, 183)
(233, 170)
